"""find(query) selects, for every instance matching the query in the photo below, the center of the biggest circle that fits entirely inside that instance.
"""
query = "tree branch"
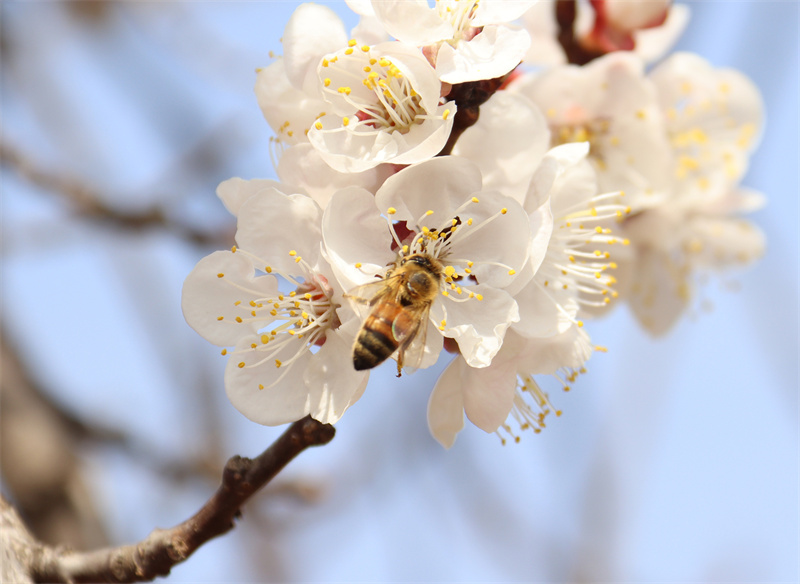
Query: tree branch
(163, 548)
(87, 202)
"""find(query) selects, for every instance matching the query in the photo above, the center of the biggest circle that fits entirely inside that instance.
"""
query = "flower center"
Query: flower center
(380, 95)
(290, 323)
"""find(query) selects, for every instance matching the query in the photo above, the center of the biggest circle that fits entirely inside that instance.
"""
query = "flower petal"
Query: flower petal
(446, 404)
(477, 325)
(313, 31)
(332, 382)
(218, 290)
(273, 225)
(495, 51)
(268, 394)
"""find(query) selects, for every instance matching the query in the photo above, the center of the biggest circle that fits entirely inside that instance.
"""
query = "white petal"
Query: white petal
(333, 384)
(507, 143)
(272, 225)
(489, 395)
(653, 43)
(493, 52)
(285, 401)
(206, 296)
(235, 191)
(302, 165)
(355, 233)
(313, 31)
(412, 21)
(446, 404)
(289, 111)
(497, 11)
(441, 184)
(477, 325)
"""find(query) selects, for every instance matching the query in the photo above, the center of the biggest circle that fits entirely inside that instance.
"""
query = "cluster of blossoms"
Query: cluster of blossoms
(403, 221)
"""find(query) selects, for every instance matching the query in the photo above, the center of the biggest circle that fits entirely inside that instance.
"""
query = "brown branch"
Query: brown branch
(163, 548)
(469, 98)
(576, 53)
(89, 204)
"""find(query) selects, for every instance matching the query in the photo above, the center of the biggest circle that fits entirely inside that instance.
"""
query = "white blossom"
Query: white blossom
(289, 355)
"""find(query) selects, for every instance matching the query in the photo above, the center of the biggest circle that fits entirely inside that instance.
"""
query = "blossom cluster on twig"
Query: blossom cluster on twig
(401, 226)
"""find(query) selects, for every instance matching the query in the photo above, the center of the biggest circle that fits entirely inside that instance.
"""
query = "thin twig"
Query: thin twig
(163, 548)
(89, 204)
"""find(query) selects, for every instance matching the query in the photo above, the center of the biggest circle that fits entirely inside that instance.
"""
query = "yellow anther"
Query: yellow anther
(267, 269)
(345, 121)
(445, 293)
(304, 314)
(253, 345)
(348, 51)
(512, 272)
(446, 114)
(598, 253)
(580, 323)
(220, 275)
(598, 229)
(238, 319)
(238, 302)
(475, 200)
(220, 317)
(503, 211)
(626, 241)
(265, 339)
(365, 48)
(429, 212)
(358, 264)
(326, 82)
(449, 270)
(292, 252)
(352, 43)
(325, 62)
(252, 303)
(260, 386)
(318, 125)
(233, 249)
(405, 249)
(479, 296)
(241, 364)
(277, 362)
(391, 210)
(223, 352)
(469, 221)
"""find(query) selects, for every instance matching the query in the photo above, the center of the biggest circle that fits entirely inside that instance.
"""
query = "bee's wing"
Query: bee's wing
(363, 298)
(412, 345)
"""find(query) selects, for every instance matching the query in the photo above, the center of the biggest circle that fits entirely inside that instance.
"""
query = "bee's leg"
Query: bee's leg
(400, 363)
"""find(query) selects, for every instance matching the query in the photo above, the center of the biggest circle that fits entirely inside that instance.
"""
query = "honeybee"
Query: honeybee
(398, 312)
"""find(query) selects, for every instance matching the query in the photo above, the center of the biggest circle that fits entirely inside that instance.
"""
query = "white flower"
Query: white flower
(468, 40)
(289, 357)
(438, 208)
(713, 122)
(505, 392)
(383, 106)
(610, 104)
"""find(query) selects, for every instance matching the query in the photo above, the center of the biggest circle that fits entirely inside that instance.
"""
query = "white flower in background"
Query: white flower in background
(610, 104)
(383, 106)
(645, 27)
(437, 207)
(713, 121)
(289, 356)
(467, 40)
